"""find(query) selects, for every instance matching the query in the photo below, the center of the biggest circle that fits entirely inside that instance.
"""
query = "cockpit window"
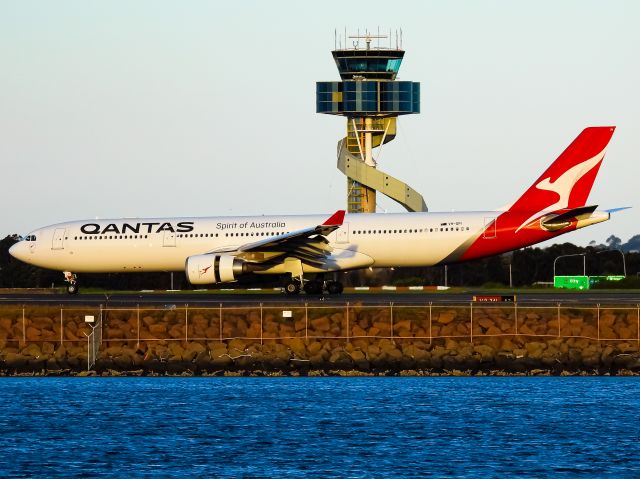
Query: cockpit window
(30, 238)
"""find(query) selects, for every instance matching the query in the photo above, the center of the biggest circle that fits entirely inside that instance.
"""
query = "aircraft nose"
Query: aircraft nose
(19, 251)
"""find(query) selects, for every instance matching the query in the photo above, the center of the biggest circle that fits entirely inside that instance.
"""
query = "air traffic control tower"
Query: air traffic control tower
(371, 99)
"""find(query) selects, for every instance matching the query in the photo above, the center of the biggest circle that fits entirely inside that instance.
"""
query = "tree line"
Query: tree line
(523, 267)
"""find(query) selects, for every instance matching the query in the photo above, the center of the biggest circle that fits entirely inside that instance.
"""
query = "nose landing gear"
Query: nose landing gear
(72, 279)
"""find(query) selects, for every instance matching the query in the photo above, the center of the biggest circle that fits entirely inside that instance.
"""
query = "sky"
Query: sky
(202, 108)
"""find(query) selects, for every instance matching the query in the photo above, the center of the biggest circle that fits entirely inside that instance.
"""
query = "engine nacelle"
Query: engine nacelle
(213, 268)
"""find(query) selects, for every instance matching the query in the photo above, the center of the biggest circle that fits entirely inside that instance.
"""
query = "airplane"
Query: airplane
(215, 250)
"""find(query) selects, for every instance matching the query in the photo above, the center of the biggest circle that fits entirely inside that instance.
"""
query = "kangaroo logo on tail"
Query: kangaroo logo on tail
(568, 181)
(563, 186)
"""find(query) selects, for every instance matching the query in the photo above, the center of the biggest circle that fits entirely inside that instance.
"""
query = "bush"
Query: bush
(630, 282)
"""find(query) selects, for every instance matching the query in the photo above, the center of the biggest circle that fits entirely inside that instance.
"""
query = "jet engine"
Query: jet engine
(213, 268)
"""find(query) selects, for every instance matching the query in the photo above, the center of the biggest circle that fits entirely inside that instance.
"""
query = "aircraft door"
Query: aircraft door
(489, 228)
(169, 238)
(58, 238)
(342, 233)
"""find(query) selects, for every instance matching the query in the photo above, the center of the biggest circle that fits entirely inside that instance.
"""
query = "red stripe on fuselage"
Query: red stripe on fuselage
(506, 239)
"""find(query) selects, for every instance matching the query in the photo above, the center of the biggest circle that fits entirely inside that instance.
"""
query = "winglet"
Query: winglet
(336, 219)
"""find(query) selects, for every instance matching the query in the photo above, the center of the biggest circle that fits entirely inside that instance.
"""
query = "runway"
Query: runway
(227, 299)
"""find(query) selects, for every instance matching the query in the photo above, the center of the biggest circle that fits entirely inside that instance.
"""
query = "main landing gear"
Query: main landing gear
(72, 279)
(314, 286)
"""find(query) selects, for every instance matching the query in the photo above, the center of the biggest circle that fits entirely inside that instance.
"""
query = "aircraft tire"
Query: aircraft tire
(292, 287)
(72, 288)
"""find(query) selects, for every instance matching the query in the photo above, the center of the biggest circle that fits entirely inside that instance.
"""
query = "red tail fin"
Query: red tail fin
(568, 181)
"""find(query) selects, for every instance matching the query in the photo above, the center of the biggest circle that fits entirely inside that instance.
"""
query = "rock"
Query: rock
(61, 353)
(70, 336)
(486, 352)
(33, 334)
(485, 323)
(535, 349)
(451, 344)
(357, 331)
(606, 356)
(149, 320)
(383, 328)
(607, 333)
(6, 323)
(254, 331)
(446, 317)
(627, 347)
(438, 352)
(314, 347)
(400, 325)
(506, 325)
(625, 332)
(197, 347)
(358, 355)
(42, 322)
(519, 353)
(297, 346)
(321, 324)
(192, 351)
(340, 358)
(373, 332)
(299, 325)
(48, 348)
(212, 332)
(32, 350)
(112, 351)
(393, 353)
(237, 344)
(607, 319)
(176, 351)
(176, 331)
(157, 328)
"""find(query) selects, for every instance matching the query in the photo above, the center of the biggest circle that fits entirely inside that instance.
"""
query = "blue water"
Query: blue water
(482, 427)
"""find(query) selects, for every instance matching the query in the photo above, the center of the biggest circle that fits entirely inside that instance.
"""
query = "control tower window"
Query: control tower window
(393, 65)
(356, 65)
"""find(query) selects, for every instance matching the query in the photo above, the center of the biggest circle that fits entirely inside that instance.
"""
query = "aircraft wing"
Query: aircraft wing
(310, 245)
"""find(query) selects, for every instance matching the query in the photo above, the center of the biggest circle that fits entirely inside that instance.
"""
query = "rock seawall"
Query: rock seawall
(312, 338)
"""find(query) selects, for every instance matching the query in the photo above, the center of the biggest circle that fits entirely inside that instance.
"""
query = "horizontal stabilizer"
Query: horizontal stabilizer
(567, 216)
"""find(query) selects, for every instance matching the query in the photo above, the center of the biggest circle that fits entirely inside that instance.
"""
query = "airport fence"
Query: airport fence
(47, 329)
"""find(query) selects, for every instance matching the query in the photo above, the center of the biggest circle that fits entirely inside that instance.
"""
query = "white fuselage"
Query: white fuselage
(164, 244)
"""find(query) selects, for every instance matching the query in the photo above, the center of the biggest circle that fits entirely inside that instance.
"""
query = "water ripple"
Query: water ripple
(320, 427)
